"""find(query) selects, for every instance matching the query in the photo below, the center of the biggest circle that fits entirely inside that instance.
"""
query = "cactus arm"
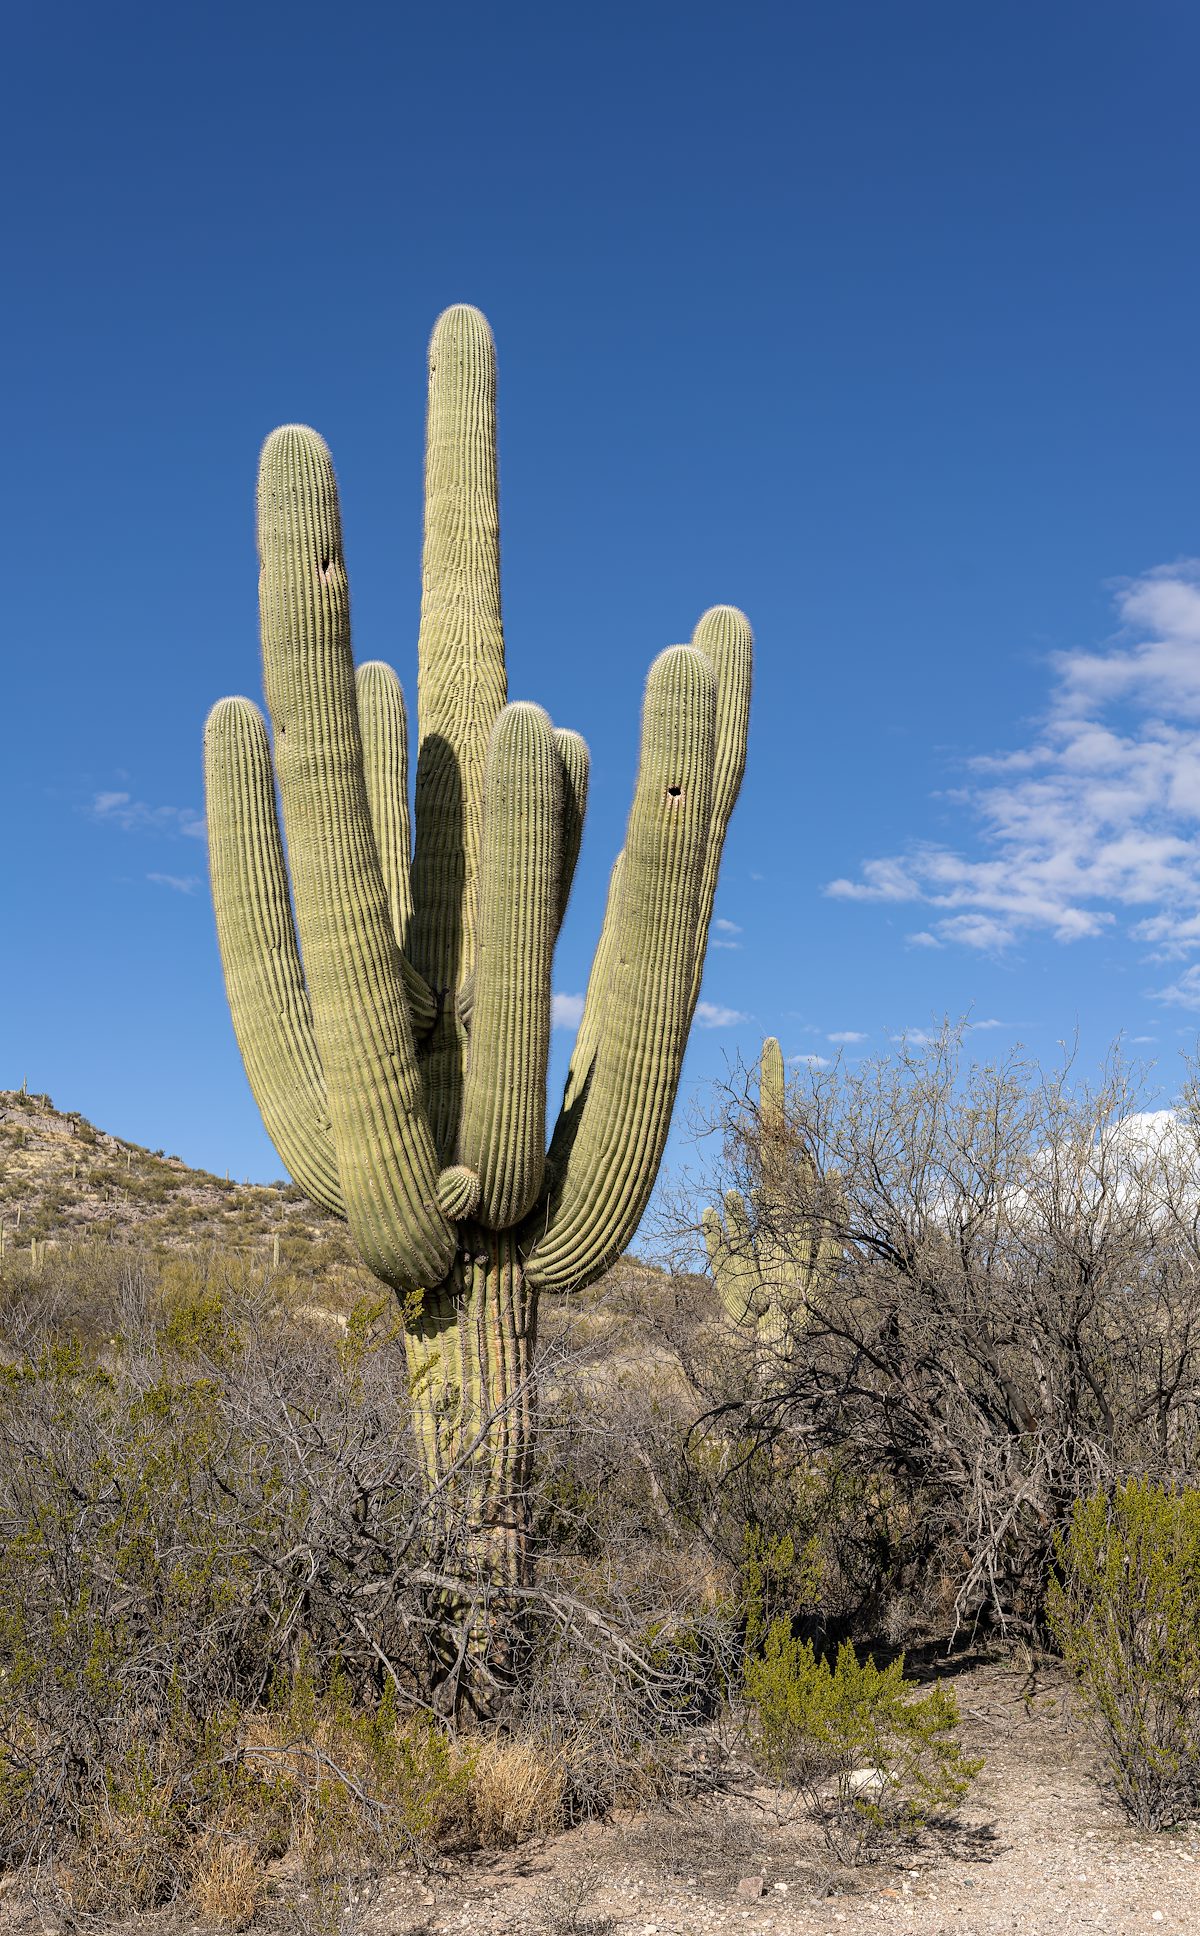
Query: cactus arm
(731, 1259)
(461, 682)
(264, 981)
(383, 723)
(573, 753)
(602, 1187)
(385, 1153)
(503, 1131)
(587, 1035)
(724, 635)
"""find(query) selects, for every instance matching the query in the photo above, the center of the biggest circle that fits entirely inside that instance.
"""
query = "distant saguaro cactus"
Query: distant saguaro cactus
(396, 1031)
(769, 1258)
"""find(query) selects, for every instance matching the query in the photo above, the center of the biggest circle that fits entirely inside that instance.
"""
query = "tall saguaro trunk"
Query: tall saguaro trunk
(392, 998)
(470, 1362)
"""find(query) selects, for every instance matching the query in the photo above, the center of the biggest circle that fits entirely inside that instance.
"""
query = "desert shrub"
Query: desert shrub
(207, 1486)
(1012, 1322)
(871, 1757)
(1124, 1607)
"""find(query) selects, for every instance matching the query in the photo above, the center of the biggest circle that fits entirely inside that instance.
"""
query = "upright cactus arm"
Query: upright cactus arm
(461, 683)
(731, 1259)
(601, 1183)
(587, 1036)
(264, 980)
(383, 724)
(573, 753)
(503, 1133)
(723, 634)
(386, 1159)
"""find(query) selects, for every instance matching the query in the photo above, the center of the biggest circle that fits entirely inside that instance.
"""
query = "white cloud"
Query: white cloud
(134, 816)
(846, 1035)
(712, 1015)
(810, 1061)
(182, 883)
(566, 1011)
(726, 927)
(1184, 993)
(1098, 817)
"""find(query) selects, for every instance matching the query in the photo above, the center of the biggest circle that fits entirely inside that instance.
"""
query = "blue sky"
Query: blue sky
(878, 321)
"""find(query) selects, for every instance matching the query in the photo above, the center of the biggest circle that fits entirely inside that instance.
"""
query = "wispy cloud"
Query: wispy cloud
(566, 1011)
(135, 816)
(809, 1061)
(712, 1015)
(182, 883)
(1182, 993)
(846, 1035)
(724, 934)
(1097, 817)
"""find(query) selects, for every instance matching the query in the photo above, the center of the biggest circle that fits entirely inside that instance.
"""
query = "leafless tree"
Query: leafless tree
(1014, 1316)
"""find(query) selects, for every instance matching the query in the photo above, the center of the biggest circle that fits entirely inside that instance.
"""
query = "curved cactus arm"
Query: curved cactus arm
(461, 681)
(601, 1189)
(573, 752)
(503, 1132)
(723, 634)
(383, 724)
(587, 1035)
(264, 980)
(385, 1153)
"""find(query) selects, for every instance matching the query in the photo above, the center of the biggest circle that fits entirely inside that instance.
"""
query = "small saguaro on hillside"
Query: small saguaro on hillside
(393, 1010)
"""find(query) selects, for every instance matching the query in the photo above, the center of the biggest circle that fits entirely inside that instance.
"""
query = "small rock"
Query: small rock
(1157, 1916)
(751, 1886)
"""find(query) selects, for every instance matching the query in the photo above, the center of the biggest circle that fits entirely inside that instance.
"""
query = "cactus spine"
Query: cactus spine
(770, 1258)
(393, 1011)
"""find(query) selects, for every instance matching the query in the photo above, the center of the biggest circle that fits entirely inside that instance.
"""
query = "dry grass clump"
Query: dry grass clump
(515, 1791)
(228, 1883)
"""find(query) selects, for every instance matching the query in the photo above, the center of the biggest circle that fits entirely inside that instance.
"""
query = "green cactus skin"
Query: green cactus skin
(461, 684)
(502, 1135)
(401, 1071)
(573, 753)
(764, 1278)
(263, 978)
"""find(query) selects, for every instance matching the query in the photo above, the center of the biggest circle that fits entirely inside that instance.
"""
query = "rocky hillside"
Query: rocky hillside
(63, 1182)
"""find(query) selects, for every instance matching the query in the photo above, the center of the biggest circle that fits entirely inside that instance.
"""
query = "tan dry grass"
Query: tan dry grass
(227, 1885)
(515, 1791)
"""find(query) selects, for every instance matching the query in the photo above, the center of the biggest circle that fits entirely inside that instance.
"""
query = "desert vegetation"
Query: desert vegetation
(227, 1591)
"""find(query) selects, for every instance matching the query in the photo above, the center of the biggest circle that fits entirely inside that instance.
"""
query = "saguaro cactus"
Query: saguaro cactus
(770, 1258)
(393, 1010)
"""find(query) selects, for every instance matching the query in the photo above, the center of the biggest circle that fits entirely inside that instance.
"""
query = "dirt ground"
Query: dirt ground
(1038, 1847)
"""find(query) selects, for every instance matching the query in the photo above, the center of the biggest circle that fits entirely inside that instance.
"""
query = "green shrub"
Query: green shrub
(1124, 1608)
(871, 1757)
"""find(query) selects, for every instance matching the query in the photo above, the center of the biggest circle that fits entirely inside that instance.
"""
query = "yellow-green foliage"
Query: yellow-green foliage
(1124, 1608)
(871, 1754)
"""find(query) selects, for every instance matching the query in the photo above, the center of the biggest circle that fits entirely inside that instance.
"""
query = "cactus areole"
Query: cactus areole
(393, 1005)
